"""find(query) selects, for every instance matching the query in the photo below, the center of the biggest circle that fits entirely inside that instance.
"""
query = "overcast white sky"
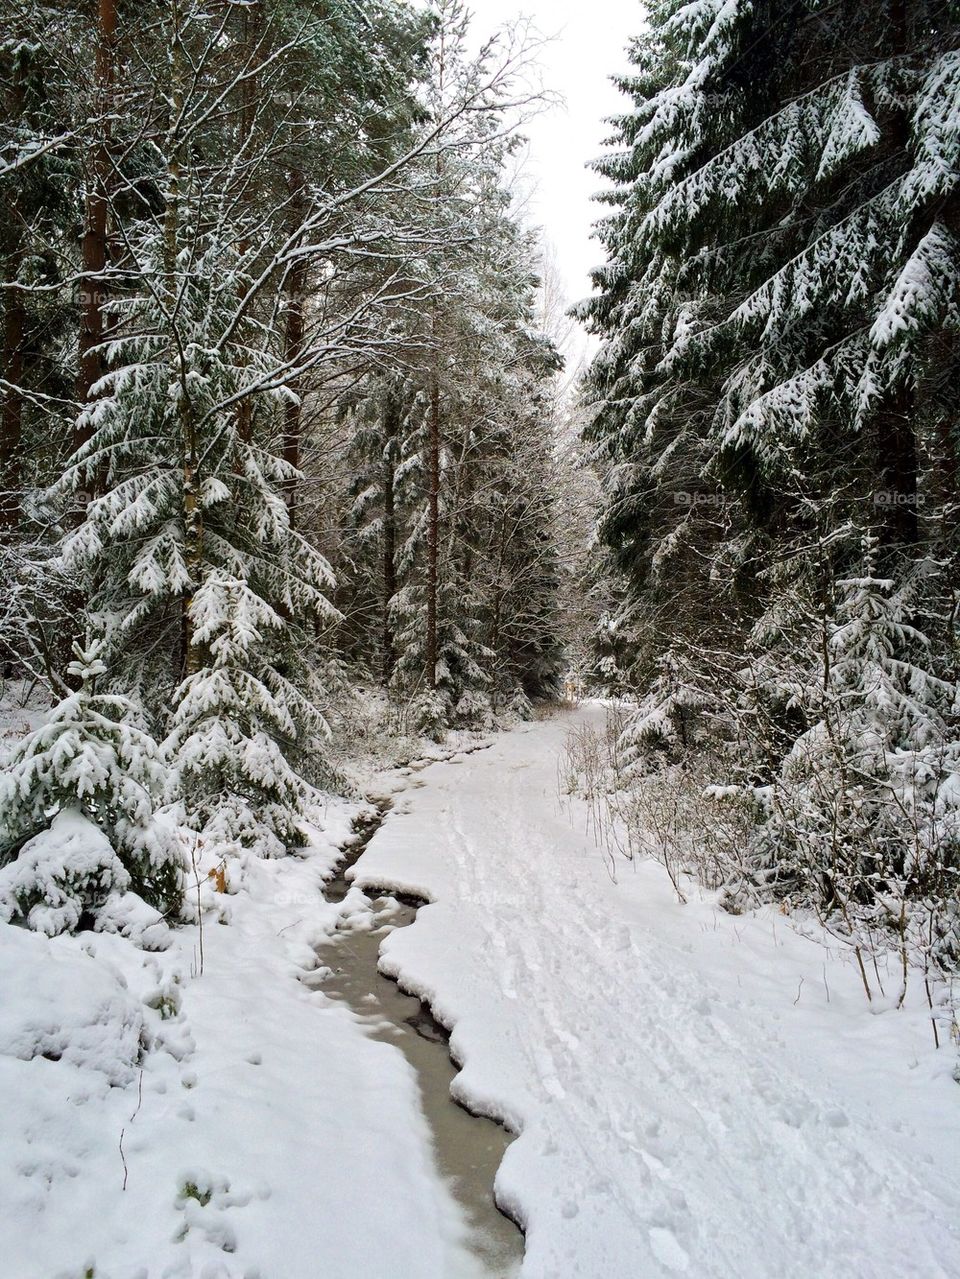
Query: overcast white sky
(591, 36)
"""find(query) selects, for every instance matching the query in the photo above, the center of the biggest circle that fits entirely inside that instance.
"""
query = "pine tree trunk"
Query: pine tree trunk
(499, 588)
(93, 296)
(93, 287)
(388, 650)
(192, 515)
(894, 431)
(14, 323)
(433, 458)
(897, 466)
(11, 414)
(253, 29)
(294, 347)
(433, 524)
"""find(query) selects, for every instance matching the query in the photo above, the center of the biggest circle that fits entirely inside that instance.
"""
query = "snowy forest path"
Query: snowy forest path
(681, 1108)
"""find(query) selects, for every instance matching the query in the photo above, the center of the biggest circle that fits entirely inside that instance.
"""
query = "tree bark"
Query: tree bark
(294, 348)
(433, 523)
(94, 249)
(191, 512)
(897, 472)
(252, 52)
(894, 430)
(14, 325)
(11, 415)
(388, 650)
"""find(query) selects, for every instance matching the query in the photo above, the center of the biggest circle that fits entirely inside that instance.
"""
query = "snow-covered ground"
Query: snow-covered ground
(696, 1093)
(263, 1133)
(688, 1097)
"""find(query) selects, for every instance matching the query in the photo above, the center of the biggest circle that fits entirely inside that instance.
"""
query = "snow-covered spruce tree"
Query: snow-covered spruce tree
(197, 578)
(431, 426)
(662, 515)
(496, 615)
(496, 590)
(240, 723)
(736, 119)
(374, 415)
(866, 804)
(780, 314)
(440, 654)
(210, 598)
(38, 254)
(512, 518)
(435, 628)
(92, 767)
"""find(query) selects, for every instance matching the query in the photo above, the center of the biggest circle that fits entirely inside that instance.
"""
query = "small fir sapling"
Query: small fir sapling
(77, 810)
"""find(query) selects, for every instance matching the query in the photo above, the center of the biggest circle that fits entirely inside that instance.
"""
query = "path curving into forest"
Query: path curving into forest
(681, 1110)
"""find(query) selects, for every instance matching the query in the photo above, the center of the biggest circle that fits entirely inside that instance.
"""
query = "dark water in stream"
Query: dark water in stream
(468, 1149)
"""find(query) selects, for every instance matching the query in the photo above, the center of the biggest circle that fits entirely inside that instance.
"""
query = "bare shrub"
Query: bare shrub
(671, 814)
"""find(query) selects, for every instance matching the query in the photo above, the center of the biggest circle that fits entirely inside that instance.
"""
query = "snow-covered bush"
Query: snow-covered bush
(474, 711)
(827, 772)
(94, 759)
(865, 813)
(668, 722)
(669, 812)
(519, 705)
(130, 916)
(428, 715)
(62, 875)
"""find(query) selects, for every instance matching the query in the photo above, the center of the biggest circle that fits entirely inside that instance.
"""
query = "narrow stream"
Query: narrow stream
(468, 1149)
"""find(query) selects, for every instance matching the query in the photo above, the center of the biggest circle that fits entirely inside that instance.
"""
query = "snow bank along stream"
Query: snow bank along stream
(468, 1148)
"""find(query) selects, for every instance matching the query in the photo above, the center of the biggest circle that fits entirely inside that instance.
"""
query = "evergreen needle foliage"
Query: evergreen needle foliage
(774, 413)
(277, 420)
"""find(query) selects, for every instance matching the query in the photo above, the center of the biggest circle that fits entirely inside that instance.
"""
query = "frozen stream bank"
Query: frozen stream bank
(468, 1149)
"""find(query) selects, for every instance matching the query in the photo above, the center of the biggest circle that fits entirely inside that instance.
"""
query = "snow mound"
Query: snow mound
(61, 1004)
(131, 917)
